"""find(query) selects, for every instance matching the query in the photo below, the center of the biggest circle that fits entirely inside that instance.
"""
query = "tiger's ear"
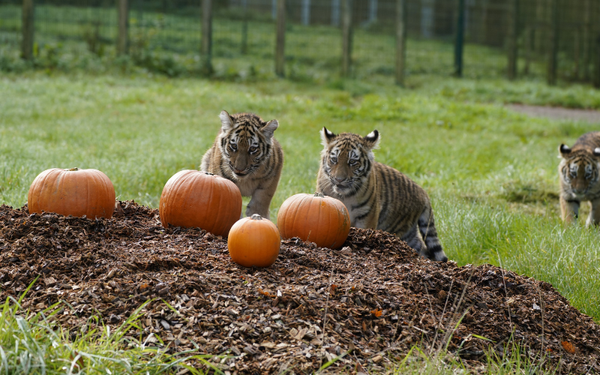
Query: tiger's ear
(270, 128)
(226, 121)
(372, 139)
(564, 150)
(326, 136)
(597, 151)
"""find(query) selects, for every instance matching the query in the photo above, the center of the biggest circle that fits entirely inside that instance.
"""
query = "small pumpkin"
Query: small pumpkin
(77, 192)
(316, 218)
(254, 242)
(199, 199)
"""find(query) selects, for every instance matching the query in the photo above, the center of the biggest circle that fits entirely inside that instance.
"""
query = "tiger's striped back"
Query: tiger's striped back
(246, 153)
(579, 173)
(377, 196)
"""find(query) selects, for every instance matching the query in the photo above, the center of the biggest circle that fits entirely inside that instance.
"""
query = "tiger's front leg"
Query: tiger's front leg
(569, 210)
(594, 218)
(260, 202)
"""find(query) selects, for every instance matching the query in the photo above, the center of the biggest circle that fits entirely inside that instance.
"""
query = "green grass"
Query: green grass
(37, 344)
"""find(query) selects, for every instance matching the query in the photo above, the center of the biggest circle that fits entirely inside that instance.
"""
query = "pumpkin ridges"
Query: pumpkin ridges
(331, 217)
(193, 198)
(322, 220)
(314, 210)
(254, 242)
(338, 214)
(82, 192)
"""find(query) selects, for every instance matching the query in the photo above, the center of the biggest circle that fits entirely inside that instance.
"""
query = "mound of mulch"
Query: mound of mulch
(367, 303)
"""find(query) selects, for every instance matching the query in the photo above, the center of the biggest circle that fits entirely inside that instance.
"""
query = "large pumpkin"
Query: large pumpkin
(254, 242)
(199, 199)
(77, 192)
(322, 220)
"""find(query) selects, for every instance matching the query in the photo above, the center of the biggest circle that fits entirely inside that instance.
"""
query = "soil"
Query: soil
(558, 113)
(368, 303)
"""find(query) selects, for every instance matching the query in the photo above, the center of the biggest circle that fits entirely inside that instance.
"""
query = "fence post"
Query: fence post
(459, 42)
(597, 64)
(280, 41)
(528, 47)
(553, 45)
(122, 38)
(585, 42)
(513, 31)
(206, 41)
(245, 28)
(400, 41)
(27, 30)
(335, 12)
(346, 37)
(540, 25)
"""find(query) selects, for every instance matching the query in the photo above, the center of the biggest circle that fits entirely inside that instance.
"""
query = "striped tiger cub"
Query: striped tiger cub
(578, 173)
(246, 153)
(376, 195)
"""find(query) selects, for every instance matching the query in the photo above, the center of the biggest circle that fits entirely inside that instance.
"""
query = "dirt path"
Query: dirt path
(557, 113)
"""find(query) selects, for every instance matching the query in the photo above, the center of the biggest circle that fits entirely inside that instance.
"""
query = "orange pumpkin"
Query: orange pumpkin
(77, 192)
(199, 199)
(254, 242)
(316, 218)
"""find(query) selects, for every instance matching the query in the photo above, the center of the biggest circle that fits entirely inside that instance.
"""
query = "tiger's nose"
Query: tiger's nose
(339, 179)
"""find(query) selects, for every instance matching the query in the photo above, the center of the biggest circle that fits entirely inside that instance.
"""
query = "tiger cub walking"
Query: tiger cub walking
(246, 153)
(578, 173)
(376, 195)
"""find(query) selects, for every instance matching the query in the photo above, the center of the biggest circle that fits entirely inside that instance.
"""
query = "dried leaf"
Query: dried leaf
(570, 348)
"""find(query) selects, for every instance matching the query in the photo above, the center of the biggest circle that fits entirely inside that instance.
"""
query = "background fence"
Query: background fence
(318, 39)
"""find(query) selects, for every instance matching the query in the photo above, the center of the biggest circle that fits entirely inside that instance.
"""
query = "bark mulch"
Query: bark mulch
(369, 302)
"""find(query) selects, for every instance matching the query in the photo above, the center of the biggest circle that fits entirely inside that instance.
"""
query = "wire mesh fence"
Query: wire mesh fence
(244, 33)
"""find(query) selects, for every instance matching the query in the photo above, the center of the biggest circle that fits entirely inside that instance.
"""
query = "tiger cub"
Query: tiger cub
(376, 195)
(578, 171)
(246, 153)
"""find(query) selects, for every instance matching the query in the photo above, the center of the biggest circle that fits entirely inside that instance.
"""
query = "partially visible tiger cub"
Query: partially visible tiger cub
(578, 171)
(246, 153)
(377, 196)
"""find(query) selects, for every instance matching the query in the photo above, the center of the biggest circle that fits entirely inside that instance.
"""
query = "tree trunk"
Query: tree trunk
(553, 43)
(400, 41)
(245, 28)
(346, 37)
(459, 42)
(123, 37)
(513, 18)
(207, 37)
(27, 30)
(586, 40)
(280, 39)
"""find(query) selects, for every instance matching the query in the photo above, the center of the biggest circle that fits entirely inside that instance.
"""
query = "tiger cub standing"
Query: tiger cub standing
(578, 171)
(376, 195)
(246, 153)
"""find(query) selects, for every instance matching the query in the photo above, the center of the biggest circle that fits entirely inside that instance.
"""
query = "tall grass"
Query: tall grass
(37, 344)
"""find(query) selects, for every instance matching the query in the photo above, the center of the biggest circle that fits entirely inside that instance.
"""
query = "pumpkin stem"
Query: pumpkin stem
(320, 195)
(256, 217)
(72, 169)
